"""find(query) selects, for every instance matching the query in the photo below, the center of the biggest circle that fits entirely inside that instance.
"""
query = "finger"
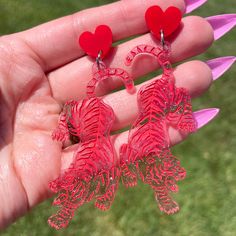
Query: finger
(195, 76)
(55, 42)
(206, 115)
(203, 117)
(66, 80)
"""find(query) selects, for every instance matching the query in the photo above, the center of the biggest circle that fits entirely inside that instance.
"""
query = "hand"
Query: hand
(42, 68)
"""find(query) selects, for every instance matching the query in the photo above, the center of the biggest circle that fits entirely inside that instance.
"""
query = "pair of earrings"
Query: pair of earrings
(96, 170)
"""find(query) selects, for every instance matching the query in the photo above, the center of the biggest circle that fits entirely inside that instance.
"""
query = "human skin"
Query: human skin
(42, 68)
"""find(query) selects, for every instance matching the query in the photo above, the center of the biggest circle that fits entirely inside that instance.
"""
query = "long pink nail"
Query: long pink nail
(220, 65)
(222, 24)
(204, 116)
(191, 5)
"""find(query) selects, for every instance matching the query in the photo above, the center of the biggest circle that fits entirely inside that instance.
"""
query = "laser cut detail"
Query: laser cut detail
(108, 73)
(94, 172)
(147, 154)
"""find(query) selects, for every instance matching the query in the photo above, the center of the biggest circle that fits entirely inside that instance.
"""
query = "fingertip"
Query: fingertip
(197, 77)
(194, 29)
(205, 79)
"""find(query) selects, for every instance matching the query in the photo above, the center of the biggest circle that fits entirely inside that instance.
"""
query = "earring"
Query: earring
(161, 105)
(95, 171)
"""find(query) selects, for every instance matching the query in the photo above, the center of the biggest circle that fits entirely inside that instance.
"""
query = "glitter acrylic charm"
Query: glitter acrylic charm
(94, 173)
(162, 105)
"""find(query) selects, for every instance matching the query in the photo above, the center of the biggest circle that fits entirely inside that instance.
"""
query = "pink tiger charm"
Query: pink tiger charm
(95, 171)
(147, 154)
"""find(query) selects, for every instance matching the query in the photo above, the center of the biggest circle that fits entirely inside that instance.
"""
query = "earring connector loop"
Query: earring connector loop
(99, 60)
(162, 38)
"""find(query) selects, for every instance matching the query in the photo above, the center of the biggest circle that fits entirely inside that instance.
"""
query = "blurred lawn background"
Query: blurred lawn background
(207, 196)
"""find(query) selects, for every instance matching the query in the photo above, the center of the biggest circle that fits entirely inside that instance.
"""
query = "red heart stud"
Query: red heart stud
(167, 21)
(101, 40)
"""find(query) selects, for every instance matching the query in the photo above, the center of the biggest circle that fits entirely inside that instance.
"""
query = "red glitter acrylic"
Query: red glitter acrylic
(167, 21)
(95, 171)
(162, 105)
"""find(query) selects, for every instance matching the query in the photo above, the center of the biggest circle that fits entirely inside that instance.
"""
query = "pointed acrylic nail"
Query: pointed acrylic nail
(222, 24)
(204, 116)
(191, 5)
(220, 65)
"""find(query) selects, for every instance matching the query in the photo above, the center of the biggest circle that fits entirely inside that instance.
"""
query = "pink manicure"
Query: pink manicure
(191, 5)
(220, 65)
(204, 116)
(222, 24)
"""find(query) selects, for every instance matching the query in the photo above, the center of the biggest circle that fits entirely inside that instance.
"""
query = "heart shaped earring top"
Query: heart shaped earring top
(98, 43)
(157, 20)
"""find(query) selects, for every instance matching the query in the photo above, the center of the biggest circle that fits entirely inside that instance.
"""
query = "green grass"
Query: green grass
(207, 196)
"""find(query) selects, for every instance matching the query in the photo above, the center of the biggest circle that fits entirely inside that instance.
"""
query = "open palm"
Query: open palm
(43, 67)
